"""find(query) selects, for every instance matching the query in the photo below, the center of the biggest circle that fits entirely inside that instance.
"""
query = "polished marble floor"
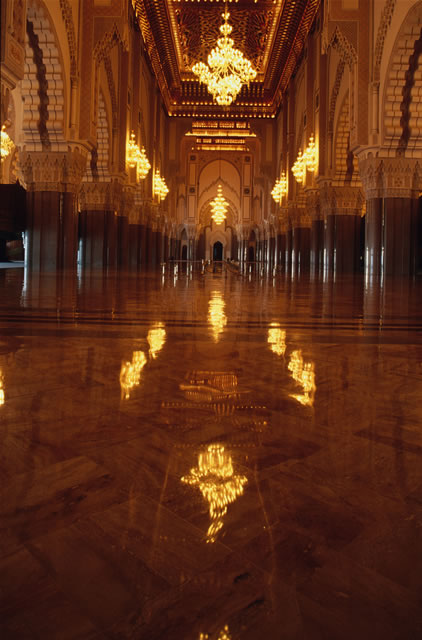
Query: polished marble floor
(210, 456)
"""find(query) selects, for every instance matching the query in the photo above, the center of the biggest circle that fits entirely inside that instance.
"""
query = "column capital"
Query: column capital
(384, 177)
(101, 196)
(340, 200)
(53, 171)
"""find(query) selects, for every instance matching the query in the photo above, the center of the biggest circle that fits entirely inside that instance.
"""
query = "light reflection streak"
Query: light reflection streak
(303, 373)
(130, 373)
(223, 635)
(216, 316)
(156, 339)
(218, 484)
(277, 339)
(2, 399)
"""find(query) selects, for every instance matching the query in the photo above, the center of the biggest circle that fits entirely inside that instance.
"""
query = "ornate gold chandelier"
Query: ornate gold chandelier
(305, 161)
(219, 206)
(137, 157)
(7, 143)
(280, 188)
(160, 187)
(227, 68)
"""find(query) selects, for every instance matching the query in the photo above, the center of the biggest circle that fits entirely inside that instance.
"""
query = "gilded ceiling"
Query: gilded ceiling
(179, 33)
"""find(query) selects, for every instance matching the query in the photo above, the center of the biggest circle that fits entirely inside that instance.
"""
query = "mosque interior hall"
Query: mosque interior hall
(211, 320)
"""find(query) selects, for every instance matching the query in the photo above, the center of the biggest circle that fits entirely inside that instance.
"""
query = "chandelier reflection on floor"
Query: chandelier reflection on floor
(224, 634)
(156, 339)
(218, 484)
(130, 373)
(227, 68)
(216, 316)
(303, 373)
(1, 389)
(277, 339)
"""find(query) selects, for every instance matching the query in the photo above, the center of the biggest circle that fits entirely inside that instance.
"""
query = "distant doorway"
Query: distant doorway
(217, 251)
(184, 252)
(251, 254)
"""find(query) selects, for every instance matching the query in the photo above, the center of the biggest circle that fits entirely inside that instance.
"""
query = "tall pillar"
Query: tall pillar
(98, 224)
(316, 241)
(52, 181)
(122, 242)
(341, 210)
(150, 247)
(98, 233)
(301, 236)
(392, 187)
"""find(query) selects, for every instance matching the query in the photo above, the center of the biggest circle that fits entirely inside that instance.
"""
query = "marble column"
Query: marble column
(392, 187)
(134, 246)
(301, 237)
(53, 180)
(151, 247)
(289, 248)
(341, 211)
(317, 245)
(122, 242)
(98, 233)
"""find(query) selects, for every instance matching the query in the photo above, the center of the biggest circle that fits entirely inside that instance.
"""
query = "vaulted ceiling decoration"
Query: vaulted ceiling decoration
(179, 33)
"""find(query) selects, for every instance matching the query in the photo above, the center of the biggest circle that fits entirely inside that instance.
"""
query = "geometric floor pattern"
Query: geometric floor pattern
(210, 456)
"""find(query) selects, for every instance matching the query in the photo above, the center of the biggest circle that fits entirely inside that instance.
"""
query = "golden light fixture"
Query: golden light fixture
(137, 157)
(132, 151)
(160, 187)
(303, 373)
(130, 373)
(156, 339)
(280, 188)
(143, 164)
(307, 161)
(219, 206)
(7, 144)
(218, 484)
(227, 68)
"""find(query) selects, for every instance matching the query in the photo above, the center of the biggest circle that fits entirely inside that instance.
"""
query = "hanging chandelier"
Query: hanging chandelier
(307, 161)
(137, 157)
(227, 68)
(280, 188)
(143, 164)
(7, 143)
(160, 187)
(219, 206)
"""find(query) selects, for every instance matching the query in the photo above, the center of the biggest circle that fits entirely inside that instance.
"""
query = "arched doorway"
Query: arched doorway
(184, 252)
(251, 254)
(217, 251)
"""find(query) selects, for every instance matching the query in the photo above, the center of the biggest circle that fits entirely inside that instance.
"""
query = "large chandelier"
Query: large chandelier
(7, 143)
(307, 161)
(280, 188)
(227, 68)
(219, 206)
(137, 157)
(160, 187)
